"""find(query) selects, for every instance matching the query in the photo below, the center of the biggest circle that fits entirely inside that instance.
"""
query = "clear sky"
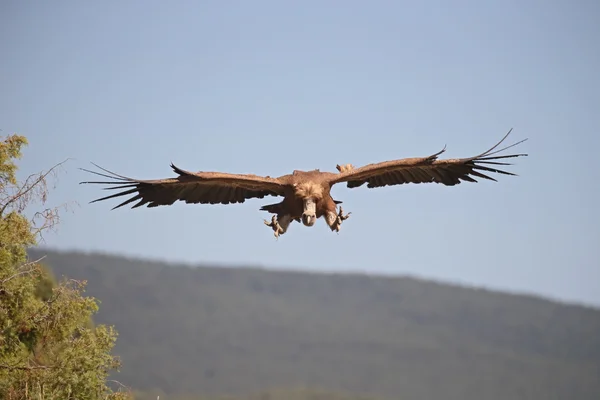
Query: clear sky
(267, 87)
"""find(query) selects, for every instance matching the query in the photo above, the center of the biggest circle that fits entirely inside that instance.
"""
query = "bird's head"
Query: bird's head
(309, 215)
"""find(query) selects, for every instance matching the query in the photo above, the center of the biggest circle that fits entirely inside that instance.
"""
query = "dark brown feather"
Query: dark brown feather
(429, 169)
(189, 187)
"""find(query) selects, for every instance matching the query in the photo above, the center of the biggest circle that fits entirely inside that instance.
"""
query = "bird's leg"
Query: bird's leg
(335, 220)
(279, 225)
(277, 229)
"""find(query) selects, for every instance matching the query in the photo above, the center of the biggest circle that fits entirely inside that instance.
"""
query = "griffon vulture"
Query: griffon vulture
(306, 194)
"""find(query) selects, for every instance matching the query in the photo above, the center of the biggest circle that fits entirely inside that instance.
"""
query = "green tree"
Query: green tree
(48, 347)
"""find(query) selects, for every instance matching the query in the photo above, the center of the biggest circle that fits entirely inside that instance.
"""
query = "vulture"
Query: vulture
(306, 194)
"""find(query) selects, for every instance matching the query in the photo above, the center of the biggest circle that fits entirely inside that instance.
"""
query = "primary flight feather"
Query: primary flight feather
(306, 194)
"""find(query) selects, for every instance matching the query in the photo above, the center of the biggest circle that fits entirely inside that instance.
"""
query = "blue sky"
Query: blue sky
(266, 87)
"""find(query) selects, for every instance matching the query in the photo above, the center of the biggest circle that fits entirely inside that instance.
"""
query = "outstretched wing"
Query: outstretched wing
(428, 169)
(190, 187)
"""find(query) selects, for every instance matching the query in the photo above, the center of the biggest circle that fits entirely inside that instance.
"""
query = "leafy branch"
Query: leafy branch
(24, 269)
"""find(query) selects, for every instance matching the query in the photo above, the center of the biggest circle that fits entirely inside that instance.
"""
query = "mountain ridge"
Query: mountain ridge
(213, 330)
(323, 271)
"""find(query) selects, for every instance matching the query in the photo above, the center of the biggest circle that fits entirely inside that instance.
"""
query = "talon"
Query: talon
(340, 217)
(277, 229)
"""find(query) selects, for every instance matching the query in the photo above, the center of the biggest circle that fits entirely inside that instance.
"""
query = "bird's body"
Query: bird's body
(306, 194)
(306, 199)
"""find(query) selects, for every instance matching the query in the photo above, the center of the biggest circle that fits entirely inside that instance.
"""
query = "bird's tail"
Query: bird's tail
(273, 208)
(277, 208)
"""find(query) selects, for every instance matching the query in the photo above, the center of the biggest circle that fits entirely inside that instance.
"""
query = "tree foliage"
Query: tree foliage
(48, 347)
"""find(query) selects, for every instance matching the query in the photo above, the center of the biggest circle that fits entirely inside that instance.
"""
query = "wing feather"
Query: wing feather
(189, 187)
(429, 169)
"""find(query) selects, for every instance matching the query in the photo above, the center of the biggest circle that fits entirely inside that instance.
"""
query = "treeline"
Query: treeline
(212, 330)
(279, 394)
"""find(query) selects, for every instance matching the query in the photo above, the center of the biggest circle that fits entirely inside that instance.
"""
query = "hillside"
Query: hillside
(214, 330)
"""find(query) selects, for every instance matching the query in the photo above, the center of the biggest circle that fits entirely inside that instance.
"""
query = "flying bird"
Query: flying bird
(306, 194)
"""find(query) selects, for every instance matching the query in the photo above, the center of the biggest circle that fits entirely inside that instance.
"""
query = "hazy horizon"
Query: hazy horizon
(303, 269)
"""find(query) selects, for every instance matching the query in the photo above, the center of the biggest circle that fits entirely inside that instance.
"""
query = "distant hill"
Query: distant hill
(214, 330)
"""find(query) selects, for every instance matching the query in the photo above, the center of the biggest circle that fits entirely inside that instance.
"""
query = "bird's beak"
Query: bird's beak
(310, 207)
(309, 216)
